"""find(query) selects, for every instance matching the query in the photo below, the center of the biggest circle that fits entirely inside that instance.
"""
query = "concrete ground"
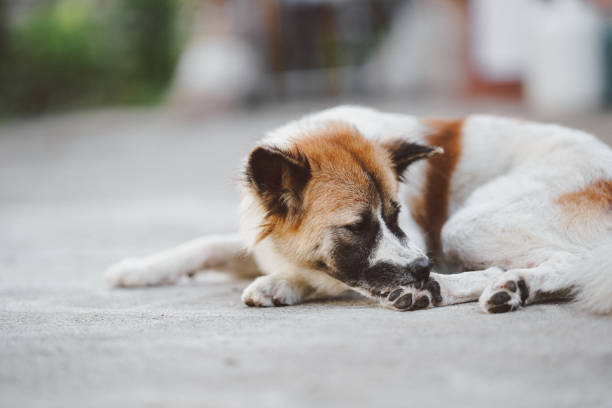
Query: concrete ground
(80, 191)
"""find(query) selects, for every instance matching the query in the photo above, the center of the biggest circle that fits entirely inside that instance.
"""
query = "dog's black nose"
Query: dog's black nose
(421, 268)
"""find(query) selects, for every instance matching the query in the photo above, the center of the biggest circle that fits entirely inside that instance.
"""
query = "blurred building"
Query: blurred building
(553, 55)
(287, 49)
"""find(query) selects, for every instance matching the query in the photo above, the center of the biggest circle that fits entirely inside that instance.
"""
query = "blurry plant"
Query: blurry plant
(145, 47)
(73, 52)
(49, 57)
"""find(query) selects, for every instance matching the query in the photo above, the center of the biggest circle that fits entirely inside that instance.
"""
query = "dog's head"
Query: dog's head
(331, 203)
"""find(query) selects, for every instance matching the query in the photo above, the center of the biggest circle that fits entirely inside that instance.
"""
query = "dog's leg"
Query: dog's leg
(275, 290)
(520, 287)
(442, 290)
(284, 289)
(220, 252)
(465, 287)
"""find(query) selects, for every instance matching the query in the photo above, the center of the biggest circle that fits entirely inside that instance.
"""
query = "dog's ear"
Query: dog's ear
(403, 153)
(279, 178)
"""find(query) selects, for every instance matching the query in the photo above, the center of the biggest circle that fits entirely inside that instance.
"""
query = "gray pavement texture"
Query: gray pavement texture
(80, 191)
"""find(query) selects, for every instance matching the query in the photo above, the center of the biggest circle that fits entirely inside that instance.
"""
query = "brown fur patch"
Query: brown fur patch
(593, 199)
(349, 174)
(431, 210)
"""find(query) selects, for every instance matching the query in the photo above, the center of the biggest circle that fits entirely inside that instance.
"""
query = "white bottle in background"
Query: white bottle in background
(564, 61)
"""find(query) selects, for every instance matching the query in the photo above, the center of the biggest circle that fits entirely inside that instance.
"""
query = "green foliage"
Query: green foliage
(74, 53)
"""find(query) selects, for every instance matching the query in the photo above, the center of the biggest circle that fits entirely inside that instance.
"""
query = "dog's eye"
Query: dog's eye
(357, 227)
(394, 214)
(392, 220)
(393, 217)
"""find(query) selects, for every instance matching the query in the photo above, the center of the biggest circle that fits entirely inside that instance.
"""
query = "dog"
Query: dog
(510, 212)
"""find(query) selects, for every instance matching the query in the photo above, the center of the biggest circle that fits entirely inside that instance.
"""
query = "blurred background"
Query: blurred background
(552, 56)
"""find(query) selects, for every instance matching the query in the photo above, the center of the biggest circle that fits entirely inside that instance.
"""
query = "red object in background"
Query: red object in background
(479, 84)
(604, 5)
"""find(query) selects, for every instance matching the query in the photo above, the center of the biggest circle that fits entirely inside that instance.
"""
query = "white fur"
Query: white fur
(593, 275)
(271, 290)
(392, 249)
(504, 222)
(222, 252)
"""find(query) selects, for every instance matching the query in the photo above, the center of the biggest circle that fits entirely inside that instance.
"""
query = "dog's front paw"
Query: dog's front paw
(421, 295)
(267, 291)
(133, 272)
(505, 294)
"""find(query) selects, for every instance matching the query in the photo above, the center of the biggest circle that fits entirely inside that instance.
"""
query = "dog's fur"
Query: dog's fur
(352, 198)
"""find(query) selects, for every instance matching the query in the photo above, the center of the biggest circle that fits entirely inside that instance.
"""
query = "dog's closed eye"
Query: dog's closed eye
(394, 213)
(364, 223)
(356, 227)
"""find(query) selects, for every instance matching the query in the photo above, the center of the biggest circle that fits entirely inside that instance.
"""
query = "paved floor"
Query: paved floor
(80, 191)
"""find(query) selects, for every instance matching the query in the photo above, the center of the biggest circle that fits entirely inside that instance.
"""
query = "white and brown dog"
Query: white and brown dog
(342, 200)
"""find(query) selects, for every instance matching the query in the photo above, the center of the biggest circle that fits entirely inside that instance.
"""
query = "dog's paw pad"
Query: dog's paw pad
(395, 294)
(421, 303)
(505, 297)
(501, 302)
(404, 302)
(411, 301)
(500, 298)
(421, 295)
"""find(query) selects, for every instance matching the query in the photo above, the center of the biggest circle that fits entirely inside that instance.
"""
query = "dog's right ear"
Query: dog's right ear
(279, 178)
(403, 153)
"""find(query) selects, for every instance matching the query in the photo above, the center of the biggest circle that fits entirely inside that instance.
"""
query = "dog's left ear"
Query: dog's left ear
(279, 178)
(403, 153)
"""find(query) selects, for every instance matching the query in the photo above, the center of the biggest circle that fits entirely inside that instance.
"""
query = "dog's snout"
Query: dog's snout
(421, 268)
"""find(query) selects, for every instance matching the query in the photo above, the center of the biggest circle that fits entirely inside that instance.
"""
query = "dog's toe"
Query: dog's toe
(404, 302)
(501, 302)
(395, 294)
(420, 295)
(500, 298)
(421, 303)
